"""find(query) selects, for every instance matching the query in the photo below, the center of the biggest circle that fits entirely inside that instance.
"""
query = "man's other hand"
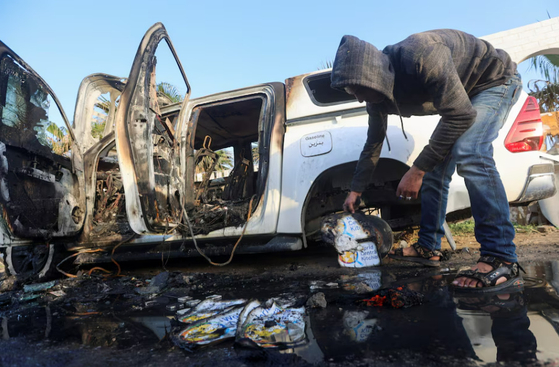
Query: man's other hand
(410, 184)
(349, 204)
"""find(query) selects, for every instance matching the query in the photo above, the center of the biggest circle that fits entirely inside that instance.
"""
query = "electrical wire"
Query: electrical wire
(97, 267)
(234, 247)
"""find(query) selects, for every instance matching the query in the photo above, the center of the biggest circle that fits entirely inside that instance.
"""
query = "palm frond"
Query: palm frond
(546, 93)
(103, 103)
(326, 65)
(170, 91)
(547, 66)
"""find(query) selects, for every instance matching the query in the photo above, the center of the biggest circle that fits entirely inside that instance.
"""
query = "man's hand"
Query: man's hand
(349, 204)
(410, 184)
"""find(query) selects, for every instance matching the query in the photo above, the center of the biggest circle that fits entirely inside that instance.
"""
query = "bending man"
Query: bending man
(472, 86)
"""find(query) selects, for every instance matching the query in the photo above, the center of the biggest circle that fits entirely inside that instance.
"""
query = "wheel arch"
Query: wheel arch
(328, 192)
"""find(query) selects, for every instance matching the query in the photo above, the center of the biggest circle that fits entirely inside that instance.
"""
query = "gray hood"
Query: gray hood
(360, 63)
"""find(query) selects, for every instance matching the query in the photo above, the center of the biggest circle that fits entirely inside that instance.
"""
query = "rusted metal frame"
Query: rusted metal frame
(90, 88)
(203, 186)
(143, 196)
(272, 119)
(91, 161)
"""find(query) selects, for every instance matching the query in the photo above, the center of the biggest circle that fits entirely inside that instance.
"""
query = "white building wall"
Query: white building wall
(531, 40)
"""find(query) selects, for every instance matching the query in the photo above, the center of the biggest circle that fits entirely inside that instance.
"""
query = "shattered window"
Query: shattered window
(29, 115)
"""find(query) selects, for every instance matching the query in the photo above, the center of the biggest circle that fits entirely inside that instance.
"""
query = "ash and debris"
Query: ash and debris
(97, 319)
(317, 300)
(218, 214)
(395, 297)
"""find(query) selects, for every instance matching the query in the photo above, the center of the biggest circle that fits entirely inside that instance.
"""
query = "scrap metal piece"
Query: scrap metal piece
(172, 306)
(448, 235)
(183, 299)
(360, 240)
(38, 286)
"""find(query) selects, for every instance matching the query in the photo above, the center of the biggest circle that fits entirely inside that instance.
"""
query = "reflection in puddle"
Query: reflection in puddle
(357, 327)
(498, 327)
(160, 325)
(521, 327)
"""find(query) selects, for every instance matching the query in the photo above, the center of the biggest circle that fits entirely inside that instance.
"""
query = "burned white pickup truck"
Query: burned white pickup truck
(134, 176)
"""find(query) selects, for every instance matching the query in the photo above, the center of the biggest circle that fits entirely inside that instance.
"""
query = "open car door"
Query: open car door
(40, 162)
(147, 146)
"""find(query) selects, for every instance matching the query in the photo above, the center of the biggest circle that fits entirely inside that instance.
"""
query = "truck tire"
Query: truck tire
(37, 261)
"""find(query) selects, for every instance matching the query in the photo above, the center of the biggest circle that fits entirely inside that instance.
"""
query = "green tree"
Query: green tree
(546, 90)
(547, 66)
(255, 153)
(58, 139)
(326, 65)
(546, 93)
(168, 93)
(103, 104)
(224, 162)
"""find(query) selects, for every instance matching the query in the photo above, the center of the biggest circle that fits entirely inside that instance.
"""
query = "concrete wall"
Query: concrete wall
(531, 40)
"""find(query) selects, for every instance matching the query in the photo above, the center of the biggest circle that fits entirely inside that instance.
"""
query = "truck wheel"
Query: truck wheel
(37, 261)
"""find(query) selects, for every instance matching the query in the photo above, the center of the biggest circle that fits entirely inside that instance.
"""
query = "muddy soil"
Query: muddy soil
(99, 319)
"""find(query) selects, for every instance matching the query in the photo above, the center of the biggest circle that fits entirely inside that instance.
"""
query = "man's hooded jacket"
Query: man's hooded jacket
(435, 72)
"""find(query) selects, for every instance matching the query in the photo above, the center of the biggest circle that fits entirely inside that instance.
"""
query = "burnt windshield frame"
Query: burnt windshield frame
(318, 88)
(38, 145)
(5, 50)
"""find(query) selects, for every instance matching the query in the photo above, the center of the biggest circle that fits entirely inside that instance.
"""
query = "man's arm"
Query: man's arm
(435, 68)
(369, 156)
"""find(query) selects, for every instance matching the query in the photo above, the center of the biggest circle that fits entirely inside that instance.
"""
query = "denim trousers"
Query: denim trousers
(472, 158)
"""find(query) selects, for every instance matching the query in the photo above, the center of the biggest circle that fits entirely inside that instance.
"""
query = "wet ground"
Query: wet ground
(93, 320)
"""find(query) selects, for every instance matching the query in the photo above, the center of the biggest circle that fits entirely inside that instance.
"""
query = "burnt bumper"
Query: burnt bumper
(540, 183)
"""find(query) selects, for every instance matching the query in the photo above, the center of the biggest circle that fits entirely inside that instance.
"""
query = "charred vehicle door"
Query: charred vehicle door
(233, 144)
(146, 142)
(94, 119)
(216, 160)
(40, 161)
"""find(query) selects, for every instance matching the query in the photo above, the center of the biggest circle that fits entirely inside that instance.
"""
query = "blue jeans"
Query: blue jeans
(472, 157)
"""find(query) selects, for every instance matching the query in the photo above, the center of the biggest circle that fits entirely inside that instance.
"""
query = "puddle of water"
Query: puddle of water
(445, 329)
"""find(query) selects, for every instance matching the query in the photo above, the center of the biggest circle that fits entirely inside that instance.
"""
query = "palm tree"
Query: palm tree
(255, 154)
(547, 65)
(547, 94)
(326, 65)
(546, 90)
(168, 93)
(98, 124)
(58, 139)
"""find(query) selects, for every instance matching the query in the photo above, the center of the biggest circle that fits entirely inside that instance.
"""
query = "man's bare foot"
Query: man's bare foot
(465, 282)
(410, 251)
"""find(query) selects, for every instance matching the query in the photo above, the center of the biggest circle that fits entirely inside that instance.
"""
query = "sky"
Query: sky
(225, 45)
